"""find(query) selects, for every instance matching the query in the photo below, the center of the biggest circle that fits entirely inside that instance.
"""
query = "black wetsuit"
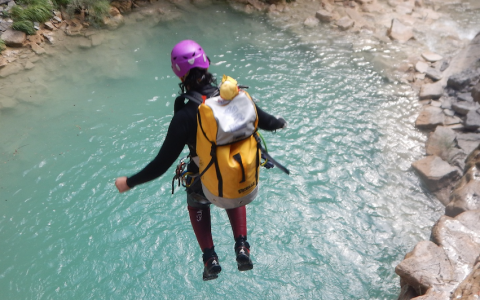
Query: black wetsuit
(183, 131)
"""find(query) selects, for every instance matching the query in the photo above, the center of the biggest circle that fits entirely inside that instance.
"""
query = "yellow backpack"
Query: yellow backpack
(228, 147)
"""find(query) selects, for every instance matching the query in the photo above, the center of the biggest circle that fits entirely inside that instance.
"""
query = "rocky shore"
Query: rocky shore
(447, 84)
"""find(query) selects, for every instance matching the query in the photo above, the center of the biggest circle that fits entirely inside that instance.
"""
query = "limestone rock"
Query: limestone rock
(466, 196)
(421, 66)
(29, 65)
(14, 38)
(431, 294)
(426, 267)
(311, 22)
(462, 80)
(399, 32)
(10, 69)
(345, 23)
(3, 62)
(441, 142)
(431, 57)
(434, 74)
(460, 239)
(468, 142)
(324, 15)
(436, 173)
(476, 93)
(431, 91)
(37, 49)
(84, 43)
(97, 39)
(472, 120)
(462, 108)
(470, 287)
(49, 26)
(429, 118)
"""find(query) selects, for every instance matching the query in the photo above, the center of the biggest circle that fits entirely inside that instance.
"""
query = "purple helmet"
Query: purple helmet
(187, 55)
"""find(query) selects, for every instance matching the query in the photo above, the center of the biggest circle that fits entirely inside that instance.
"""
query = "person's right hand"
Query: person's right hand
(121, 184)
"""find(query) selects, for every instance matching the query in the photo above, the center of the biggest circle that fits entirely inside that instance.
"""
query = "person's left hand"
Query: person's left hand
(121, 184)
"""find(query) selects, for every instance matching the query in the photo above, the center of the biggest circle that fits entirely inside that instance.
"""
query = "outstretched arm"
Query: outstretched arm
(268, 122)
(171, 148)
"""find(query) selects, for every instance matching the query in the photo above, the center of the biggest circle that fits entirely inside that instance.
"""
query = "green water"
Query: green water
(334, 229)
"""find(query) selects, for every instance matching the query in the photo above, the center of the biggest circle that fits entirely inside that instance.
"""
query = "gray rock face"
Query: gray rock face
(462, 80)
(13, 38)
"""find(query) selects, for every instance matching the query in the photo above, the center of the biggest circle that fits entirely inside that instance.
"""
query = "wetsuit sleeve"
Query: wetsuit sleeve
(172, 146)
(268, 122)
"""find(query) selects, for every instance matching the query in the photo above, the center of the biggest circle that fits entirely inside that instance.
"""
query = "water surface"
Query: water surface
(334, 229)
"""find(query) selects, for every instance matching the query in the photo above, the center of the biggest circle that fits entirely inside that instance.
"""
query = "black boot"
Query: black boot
(212, 266)
(242, 249)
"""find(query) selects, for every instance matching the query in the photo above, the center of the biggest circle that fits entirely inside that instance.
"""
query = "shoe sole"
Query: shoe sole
(245, 267)
(210, 276)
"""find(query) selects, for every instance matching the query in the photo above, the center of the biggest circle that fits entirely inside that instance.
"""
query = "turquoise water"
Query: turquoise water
(334, 229)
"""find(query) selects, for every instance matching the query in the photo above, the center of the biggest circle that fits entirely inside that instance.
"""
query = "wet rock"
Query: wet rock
(10, 69)
(429, 118)
(29, 65)
(345, 23)
(85, 43)
(13, 38)
(436, 174)
(431, 57)
(37, 49)
(311, 22)
(97, 39)
(421, 66)
(472, 120)
(3, 62)
(399, 32)
(476, 93)
(426, 267)
(431, 91)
